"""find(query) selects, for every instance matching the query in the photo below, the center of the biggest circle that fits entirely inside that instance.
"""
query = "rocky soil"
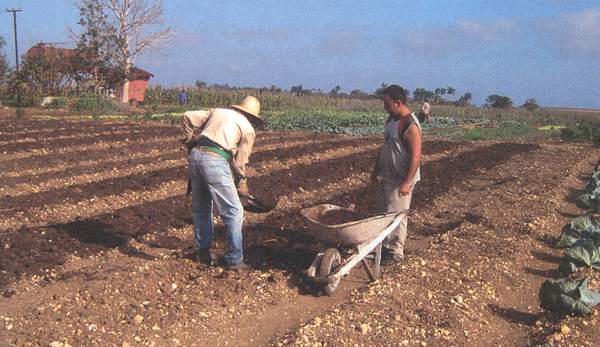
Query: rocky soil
(95, 233)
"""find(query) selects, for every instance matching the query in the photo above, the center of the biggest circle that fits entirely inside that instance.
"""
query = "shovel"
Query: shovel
(259, 205)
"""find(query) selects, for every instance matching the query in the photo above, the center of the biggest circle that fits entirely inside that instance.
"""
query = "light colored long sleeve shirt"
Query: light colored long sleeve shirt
(426, 108)
(229, 129)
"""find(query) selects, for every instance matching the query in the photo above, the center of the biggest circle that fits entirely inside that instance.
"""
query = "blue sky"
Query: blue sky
(548, 50)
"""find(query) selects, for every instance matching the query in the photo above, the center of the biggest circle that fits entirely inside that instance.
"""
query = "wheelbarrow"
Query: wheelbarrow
(363, 235)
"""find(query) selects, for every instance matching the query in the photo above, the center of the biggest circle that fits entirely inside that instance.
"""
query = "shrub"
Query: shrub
(56, 103)
(531, 104)
(582, 133)
(498, 101)
(20, 112)
(30, 98)
(94, 103)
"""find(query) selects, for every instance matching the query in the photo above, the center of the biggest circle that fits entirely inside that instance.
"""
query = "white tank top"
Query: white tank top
(394, 156)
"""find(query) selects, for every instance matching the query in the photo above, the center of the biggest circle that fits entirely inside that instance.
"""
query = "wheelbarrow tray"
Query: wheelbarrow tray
(350, 233)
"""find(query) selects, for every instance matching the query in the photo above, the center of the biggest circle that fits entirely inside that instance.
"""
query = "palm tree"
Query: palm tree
(451, 91)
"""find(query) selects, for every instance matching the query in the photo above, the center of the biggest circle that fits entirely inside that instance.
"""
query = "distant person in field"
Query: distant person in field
(425, 111)
(182, 97)
(220, 141)
(396, 168)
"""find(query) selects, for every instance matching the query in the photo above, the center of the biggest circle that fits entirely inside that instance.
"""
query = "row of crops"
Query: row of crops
(581, 239)
(283, 112)
(160, 97)
(337, 122)
(351, 122)
(269, 101)
(353, 116)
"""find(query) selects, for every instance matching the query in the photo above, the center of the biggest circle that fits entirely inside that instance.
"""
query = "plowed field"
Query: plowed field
(95, 236)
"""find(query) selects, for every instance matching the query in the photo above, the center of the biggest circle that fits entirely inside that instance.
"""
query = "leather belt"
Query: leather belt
(210, 151)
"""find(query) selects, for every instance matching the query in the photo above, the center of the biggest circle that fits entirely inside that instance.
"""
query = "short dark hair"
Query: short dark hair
(396, 93)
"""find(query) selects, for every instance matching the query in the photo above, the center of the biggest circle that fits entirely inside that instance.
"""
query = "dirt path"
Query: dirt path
(96, 231)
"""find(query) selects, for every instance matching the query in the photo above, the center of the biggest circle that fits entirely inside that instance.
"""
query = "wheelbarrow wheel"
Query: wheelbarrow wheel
(330, 261)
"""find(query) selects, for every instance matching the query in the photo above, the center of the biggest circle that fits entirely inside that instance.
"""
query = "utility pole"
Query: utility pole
(14, 11)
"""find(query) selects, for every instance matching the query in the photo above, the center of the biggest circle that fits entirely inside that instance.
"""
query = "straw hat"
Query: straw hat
(251, 108)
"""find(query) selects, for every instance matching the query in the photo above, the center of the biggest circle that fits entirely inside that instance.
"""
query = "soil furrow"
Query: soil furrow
(102, 258)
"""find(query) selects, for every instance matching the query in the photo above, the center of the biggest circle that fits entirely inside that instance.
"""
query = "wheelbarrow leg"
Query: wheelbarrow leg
(363, 249)
(375, 271)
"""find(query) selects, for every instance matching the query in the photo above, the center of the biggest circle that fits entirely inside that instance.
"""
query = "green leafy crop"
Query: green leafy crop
(568, 296)
(581, 227)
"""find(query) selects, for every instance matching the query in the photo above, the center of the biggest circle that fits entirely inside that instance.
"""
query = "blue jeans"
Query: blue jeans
(212, 182)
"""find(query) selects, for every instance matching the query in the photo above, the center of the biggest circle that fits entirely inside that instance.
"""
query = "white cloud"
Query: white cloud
(573, 33)
(465, 35)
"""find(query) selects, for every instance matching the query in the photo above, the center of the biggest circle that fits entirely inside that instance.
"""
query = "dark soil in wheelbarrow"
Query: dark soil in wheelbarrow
(337, 217)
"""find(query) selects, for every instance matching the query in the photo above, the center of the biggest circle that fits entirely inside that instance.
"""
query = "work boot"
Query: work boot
(391, 259)
(205, 256)
(240, 265)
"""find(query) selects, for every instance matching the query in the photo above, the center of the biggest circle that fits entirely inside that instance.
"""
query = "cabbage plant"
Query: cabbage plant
(568, 296)
(581, 227)
(584, 253)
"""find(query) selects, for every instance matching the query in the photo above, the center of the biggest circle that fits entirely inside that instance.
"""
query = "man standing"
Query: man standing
(397, 167)
(222, 148)
(425, 111)
(182, 97)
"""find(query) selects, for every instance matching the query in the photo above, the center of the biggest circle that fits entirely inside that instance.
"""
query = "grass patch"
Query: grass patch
(45, 117)
(501, 132)
(552, 127)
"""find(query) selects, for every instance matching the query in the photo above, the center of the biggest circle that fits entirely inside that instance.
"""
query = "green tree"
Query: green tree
(48, 72)
(335, 92)
(530, 104)
(421, 94)
(465, 100)
(498, 101)
(379, 92)
(358, 94)
(439, 92)
(297, 90)
(451, 91)
(201, 85)
(4, 68)
(118, 31)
